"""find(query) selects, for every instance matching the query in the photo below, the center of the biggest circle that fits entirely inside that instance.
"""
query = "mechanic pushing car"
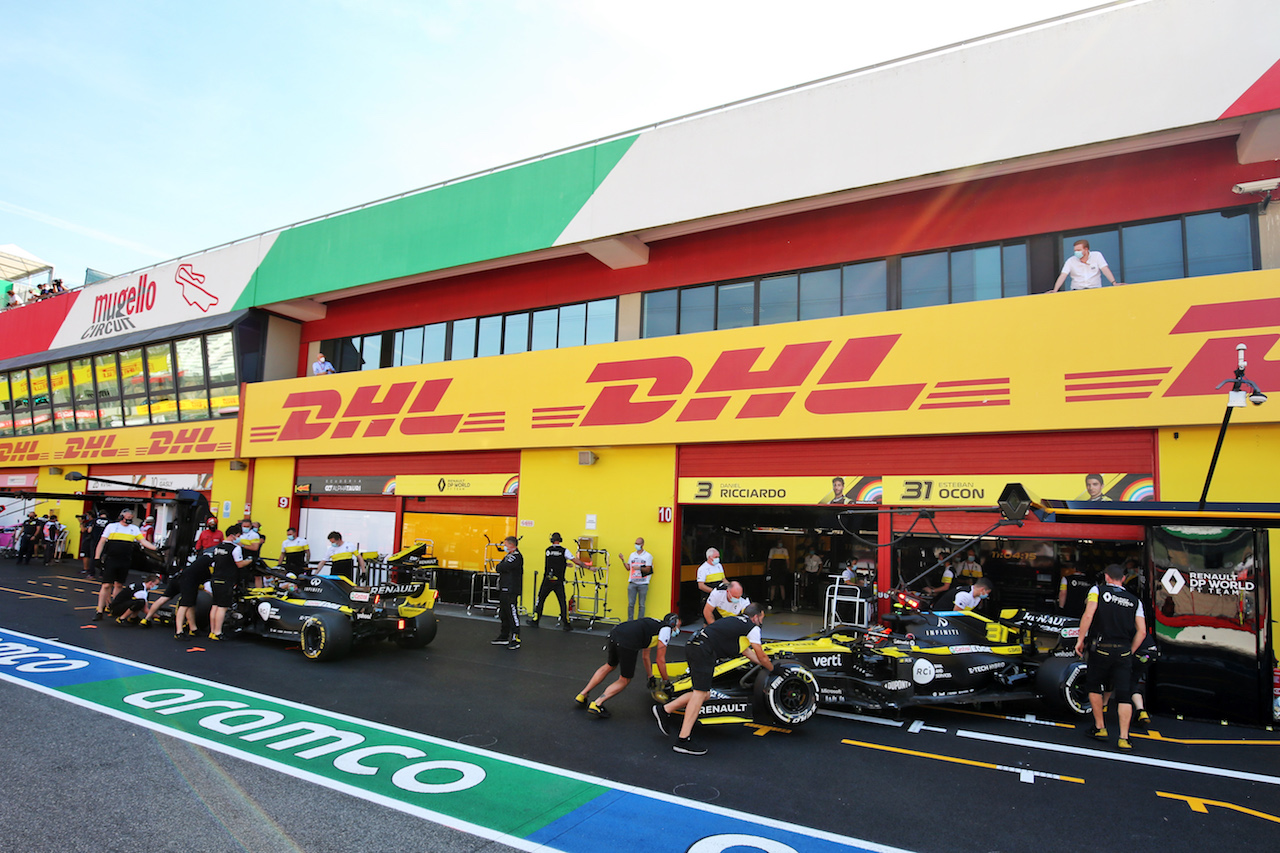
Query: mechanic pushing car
(625, 642)
(716, 641)
(228, 560)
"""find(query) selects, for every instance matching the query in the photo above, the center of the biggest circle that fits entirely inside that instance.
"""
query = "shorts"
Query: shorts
(115, 571)
(188, 590)
(702, 664)
(173, 587)
(1110, 665)
(224, 592)
(624, 659)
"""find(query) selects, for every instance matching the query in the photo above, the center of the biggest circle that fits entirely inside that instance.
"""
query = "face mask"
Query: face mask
(715, 561)
(289, 537)
(637, 549)
(735, 600)
(1079, 253)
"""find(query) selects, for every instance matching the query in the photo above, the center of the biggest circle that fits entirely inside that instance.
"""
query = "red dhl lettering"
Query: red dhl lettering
(89, 446)
(377, 408)
(736, 370)
(193, 440)
(19, 451)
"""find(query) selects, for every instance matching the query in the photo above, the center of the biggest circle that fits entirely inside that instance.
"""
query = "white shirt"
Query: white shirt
(966, 600)
(710, 574)
(637, 561)
(1085, 275)
(813, 564)
(719, 601)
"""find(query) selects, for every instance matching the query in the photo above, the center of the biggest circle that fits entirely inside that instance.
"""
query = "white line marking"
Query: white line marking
(879, 721)
(1124, 757)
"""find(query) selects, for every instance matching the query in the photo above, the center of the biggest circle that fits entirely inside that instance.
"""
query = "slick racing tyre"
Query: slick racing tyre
(1061, 684)
(788, 695)
(419, 630)
(326, 636)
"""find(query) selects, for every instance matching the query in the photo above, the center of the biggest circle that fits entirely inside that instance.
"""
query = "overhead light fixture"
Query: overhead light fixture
(54, 472)
(237, 465)
(586, 457)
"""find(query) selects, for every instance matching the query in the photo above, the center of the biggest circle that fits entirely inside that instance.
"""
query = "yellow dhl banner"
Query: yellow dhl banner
(840, 490)
(199, 440)
(1145, 355)
(418, 485)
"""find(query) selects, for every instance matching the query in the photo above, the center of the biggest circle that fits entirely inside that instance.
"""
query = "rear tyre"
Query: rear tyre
(423, 631)
(1061, 685)
(789, 694)
(326, 636)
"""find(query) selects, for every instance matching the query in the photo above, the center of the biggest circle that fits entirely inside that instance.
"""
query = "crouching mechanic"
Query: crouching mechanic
(1115, 616)
(184, 586)
(129, 603)
(228, 560)
(724, 602)
(968, 599)
(625, 642)
(717, 641)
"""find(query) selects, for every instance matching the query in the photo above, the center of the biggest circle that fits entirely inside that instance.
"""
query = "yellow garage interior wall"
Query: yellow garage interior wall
(623, 489)
(65, 508)
(1246, 471)
(273, 480)
(458, 541)
(230, 487)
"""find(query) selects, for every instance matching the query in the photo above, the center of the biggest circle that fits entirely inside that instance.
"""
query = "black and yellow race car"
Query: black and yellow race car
(328, 614)
(926, 658)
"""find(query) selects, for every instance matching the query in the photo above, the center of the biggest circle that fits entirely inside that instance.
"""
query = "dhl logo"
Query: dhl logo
(21, 451)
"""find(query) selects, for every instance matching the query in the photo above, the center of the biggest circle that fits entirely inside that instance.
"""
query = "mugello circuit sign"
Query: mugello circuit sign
(895, 373)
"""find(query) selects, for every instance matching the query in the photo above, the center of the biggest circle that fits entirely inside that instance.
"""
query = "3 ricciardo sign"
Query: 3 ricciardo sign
(895, 373)
(447, 783)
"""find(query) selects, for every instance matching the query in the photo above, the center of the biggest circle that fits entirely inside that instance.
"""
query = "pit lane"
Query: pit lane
(905, 783)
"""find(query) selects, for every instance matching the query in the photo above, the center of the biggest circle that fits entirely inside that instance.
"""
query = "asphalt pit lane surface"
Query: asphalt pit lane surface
(479, 741)
(694, 791)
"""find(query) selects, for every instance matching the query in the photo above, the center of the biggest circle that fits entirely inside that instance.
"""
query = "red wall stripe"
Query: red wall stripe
(388, 465)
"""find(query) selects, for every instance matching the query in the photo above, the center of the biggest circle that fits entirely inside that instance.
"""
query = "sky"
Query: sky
(137, 131)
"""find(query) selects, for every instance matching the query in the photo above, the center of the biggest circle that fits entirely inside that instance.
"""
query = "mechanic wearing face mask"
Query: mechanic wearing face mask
(557, 561)
(295, 552)
(1086, 269)
(724, 602)
(710, 573)
(510, 580)
(1115, 617)
(968, 599)
(640, 567)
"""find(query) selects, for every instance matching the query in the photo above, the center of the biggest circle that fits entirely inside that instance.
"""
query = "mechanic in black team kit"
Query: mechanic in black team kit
(1115, 617)
(716, 641)
(115, 549)
(625, 642)
(510, 579)
(558, 560)
(228, 560)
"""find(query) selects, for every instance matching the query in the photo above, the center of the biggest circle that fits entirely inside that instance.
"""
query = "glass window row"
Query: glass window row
(1198, 244)
(572, 325)
(188, 379)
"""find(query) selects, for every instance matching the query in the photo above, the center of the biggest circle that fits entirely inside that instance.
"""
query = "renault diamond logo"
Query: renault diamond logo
(1172, 581)
(440, 485)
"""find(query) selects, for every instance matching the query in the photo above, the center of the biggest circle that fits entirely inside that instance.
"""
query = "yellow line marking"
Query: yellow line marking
(1205, 741)
(762, 730)
(954, 760)
(25, 594)
(1007, 717)
(1198, 805)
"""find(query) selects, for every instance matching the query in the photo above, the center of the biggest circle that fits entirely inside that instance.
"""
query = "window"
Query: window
(1219, 242)
(697, 309)
(573, 326)
(602, 321)
(1152, 252)
(924, 280)
(866, 287)
(6, 406)
(515, 333)
(489, 336)
(819, 295)
(546, 324)
(659, 314)
(464, 340)
(1192, 245)
(780, 299)
(193, 396)
(736, 305)
(224, 391)
(64, 410)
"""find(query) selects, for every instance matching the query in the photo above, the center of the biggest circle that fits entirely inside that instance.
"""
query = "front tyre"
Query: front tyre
(789, 694)
(326, 636)
(1060, 682)
(419, 631)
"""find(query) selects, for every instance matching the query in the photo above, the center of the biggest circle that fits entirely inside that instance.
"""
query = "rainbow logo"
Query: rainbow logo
(871, 491)
(1141, 489)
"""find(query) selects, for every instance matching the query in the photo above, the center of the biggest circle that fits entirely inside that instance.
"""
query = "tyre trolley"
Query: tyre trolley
(591, 585)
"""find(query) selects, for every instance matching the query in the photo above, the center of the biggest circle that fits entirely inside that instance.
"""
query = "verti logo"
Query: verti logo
(643, 390)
